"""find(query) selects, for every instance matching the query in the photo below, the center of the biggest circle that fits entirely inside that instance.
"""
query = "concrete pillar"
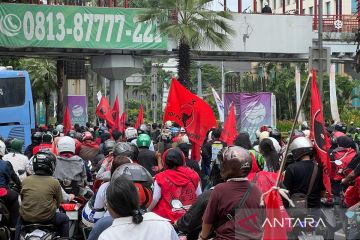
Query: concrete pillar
(117, 89)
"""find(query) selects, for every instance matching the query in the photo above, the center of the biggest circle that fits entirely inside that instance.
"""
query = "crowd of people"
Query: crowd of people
(144, 184)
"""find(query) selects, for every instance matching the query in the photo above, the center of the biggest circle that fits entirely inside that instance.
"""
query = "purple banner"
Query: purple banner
(78, 109)
(252, 110)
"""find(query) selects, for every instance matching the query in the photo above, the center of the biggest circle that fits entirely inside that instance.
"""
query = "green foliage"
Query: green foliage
(350, 115)
(284, 125)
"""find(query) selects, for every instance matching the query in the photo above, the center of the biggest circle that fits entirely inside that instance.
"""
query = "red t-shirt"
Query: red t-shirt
(222, 200)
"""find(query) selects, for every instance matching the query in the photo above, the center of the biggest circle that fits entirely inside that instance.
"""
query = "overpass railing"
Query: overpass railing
(337, 23)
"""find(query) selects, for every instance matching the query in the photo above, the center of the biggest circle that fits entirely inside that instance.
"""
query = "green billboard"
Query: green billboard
(25, 25)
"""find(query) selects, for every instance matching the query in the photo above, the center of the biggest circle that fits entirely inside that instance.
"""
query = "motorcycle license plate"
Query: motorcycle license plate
(73, 215)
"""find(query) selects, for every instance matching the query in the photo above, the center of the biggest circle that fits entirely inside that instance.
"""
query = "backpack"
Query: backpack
(345, 155)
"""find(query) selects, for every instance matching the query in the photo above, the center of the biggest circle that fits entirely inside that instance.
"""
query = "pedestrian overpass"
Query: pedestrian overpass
(116, 42)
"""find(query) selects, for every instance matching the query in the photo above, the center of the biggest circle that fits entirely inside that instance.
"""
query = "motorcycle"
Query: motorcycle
(38, 232)
(73, 210)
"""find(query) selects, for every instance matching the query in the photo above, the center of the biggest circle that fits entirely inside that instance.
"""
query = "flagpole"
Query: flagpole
(303, 97)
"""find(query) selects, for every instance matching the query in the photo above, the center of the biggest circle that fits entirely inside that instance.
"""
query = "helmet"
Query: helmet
(78, 136)
(47, 138)
(182, 130)
(130, 133)
(168, 124)
(142, 180)
(143, 129)
(257, 133)
(297, 133)
(91, 215)
(266, 4)
(300, 147)
(166, 135)
(264, 134)
(60, 128)
(341, 127)
(16, 145)
(2, 148)
(72, 133)
(109, 146)
(36, 138)
(143, 140)
(66, 144)
(134, 154)
(122, 148)
(183, 139)
(55, 133)
(240, 154)
(174, 131)
(87, 136)
(44, 162)
(276, 134)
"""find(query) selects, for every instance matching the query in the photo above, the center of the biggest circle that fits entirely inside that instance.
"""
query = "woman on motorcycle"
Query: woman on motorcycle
(129, 222)
(177, 182)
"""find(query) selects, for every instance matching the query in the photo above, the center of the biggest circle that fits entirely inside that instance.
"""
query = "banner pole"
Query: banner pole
(303, 97)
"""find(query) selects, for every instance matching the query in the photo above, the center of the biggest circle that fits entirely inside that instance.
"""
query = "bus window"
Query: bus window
(12, 92)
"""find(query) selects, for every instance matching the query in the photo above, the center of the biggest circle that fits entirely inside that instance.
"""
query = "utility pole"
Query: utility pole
(320, 45)
(199, 81)
(154, 92)
(222, 81)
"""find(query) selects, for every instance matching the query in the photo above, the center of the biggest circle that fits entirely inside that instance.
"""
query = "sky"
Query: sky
(231, 4)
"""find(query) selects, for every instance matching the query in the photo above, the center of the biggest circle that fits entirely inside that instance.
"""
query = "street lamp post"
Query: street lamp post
(223, 75)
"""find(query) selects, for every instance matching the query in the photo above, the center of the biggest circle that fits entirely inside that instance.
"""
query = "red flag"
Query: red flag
(140, 118)
(229, 132)
(275, 212)
(122, 122)
(189, 111)
(318, 133)
(67, 121)
(115, 109)
(195, 151)
(103, 111)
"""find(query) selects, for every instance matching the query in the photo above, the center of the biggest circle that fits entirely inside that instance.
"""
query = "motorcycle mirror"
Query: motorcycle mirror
(176, 204)
(338, 162)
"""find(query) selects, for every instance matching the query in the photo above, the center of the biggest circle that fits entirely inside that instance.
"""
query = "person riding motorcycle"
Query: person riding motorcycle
(89, 148)
(104, 171)
(70, 168)
(176, 182)
(147, 158)
(17, 160)
(46, 144)
(41, 196)
(9, 196)
(35, 141)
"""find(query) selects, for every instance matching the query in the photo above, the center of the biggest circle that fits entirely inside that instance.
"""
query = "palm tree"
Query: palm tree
(192, 25)
(43, 80)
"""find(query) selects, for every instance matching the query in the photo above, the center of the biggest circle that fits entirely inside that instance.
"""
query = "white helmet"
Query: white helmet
(130, 133)
(2, 148)
(168, 124)
(66, 144)
(60, 128)
(91, 215)
(183, 139)
(266, 4)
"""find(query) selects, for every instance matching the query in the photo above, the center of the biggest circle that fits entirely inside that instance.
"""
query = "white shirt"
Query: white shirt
(152, 227)
(101, 197)
(18, 162)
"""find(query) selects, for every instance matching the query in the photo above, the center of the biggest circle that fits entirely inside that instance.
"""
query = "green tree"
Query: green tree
(43, 80)
(191, 24)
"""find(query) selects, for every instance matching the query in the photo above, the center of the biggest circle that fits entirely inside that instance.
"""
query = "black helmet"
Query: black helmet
(109, 146)
(55, 133)
(341, 127)
(47, 138)
(78, 136)
(300, 147)
(44, 163)
(276, 134)
(36, 138)
(71, 133)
